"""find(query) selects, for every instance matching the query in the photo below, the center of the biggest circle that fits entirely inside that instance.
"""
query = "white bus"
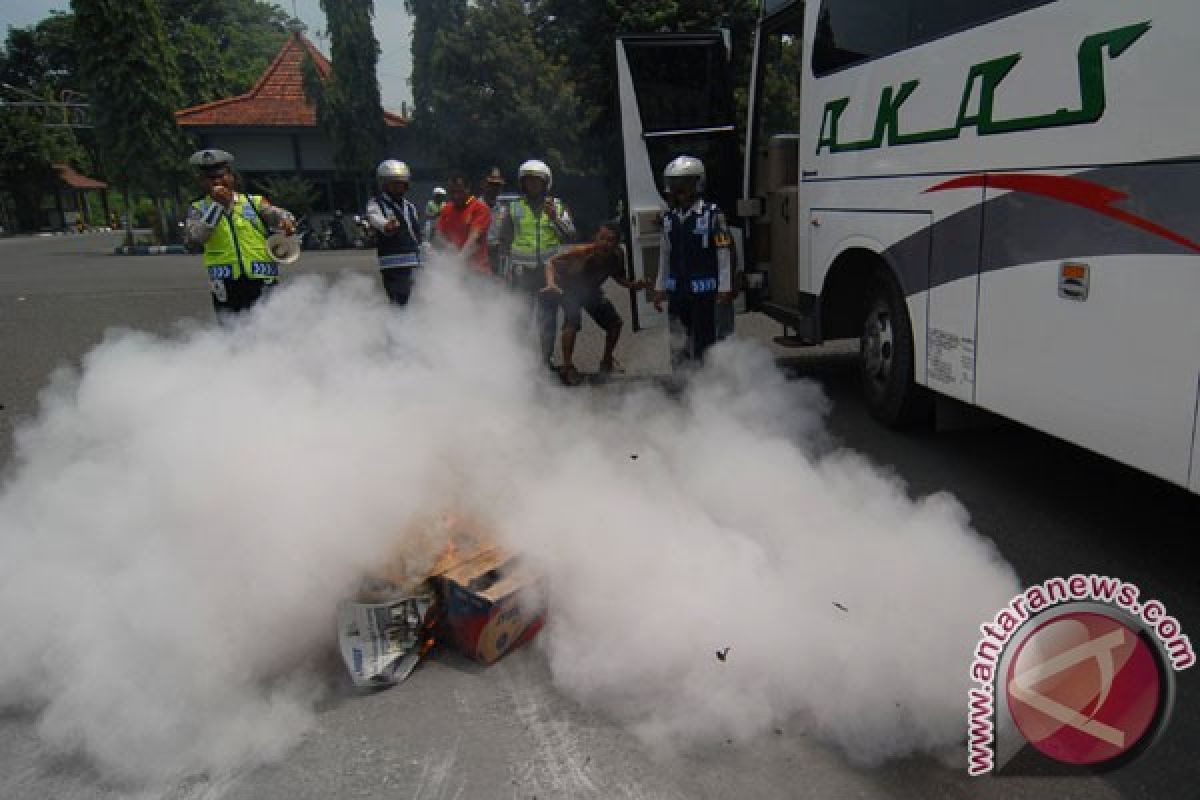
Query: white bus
(1000, 198)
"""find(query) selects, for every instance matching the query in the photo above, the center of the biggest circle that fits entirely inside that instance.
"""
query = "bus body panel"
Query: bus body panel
(1195, 469)
(1111, 373)
(952, 298)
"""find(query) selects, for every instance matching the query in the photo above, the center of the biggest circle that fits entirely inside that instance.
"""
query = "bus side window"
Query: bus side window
(930, 19)
(850, 32)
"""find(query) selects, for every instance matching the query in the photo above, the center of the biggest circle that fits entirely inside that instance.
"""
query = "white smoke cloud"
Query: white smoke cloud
(184, 514)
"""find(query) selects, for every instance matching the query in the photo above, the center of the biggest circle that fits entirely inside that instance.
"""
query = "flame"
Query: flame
(428, 547)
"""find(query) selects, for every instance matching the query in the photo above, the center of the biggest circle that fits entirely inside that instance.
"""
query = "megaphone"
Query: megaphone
(284, 249)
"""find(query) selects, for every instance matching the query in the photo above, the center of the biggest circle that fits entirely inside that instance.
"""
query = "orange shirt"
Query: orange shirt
(456, 224)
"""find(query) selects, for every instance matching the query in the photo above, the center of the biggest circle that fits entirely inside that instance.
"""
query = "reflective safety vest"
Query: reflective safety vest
(535, 239)
(237, 247)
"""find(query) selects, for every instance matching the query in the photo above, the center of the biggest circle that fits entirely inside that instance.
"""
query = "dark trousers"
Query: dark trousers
(693, 321)
(725, 320)
(397, 282)
(544, 305)
(496, 257)
(231, 296)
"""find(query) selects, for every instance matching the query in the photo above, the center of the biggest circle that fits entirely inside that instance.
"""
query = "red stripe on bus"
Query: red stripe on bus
(1075, 191)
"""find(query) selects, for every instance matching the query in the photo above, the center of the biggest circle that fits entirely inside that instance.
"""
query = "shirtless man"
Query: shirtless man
(578, 275)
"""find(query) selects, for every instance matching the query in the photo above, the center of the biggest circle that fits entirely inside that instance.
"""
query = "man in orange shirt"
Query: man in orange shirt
(462, 227)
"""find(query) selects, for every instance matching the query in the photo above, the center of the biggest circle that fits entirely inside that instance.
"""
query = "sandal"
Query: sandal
(609, 367)
(569, 375)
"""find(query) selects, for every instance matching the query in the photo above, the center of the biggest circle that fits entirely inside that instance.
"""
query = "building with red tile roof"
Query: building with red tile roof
(276, 101)
(272, 129)
(73, 194)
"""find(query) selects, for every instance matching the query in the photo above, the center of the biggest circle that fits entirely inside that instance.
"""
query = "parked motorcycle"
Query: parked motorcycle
(306, 234)
(365, 233)
(339, 236)
(339, 233)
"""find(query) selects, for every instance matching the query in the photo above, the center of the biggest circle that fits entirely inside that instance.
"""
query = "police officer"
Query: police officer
(233, 227)
(398, 226)
(695, 264)
(534, 227)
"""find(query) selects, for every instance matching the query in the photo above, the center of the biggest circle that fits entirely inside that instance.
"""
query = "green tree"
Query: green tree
(430, 19)
(506, 97)
(292, 192)
(41, 58)
(28, 152)
(349, 108)
(129, 71)
(223, 46)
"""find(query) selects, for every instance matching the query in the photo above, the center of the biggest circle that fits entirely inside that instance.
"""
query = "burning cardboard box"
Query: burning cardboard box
(492, 603)
(487, 602)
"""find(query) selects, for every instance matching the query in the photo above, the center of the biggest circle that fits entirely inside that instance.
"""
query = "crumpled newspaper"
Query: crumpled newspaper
(382, 642)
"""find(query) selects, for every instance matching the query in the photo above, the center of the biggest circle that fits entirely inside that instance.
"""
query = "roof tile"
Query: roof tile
(73, 180)
(277, 99)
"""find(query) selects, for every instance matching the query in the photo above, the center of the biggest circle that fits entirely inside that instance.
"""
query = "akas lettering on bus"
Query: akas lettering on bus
(989, 75)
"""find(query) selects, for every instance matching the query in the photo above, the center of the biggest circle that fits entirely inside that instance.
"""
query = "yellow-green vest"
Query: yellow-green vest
(534, 236)
(237, 246)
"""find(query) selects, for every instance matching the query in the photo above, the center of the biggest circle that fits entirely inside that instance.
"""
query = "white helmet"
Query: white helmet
(393, 170)
(439, 192)
(538, 169)
(686, 167)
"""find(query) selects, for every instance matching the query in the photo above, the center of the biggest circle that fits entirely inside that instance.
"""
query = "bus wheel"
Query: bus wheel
(887, 357)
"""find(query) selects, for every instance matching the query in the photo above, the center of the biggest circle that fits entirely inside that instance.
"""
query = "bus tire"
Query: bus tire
(887, 356)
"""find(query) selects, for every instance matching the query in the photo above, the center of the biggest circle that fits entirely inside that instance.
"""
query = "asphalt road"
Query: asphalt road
(465, 732)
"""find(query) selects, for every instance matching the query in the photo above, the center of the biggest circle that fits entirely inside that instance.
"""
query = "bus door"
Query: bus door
(675, 98)
(771, 177)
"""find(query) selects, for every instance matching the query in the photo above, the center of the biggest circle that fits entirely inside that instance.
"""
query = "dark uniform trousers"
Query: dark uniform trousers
(239, 295)
(693, 317)
(692, 282)
(397, 283)
(529, 282)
